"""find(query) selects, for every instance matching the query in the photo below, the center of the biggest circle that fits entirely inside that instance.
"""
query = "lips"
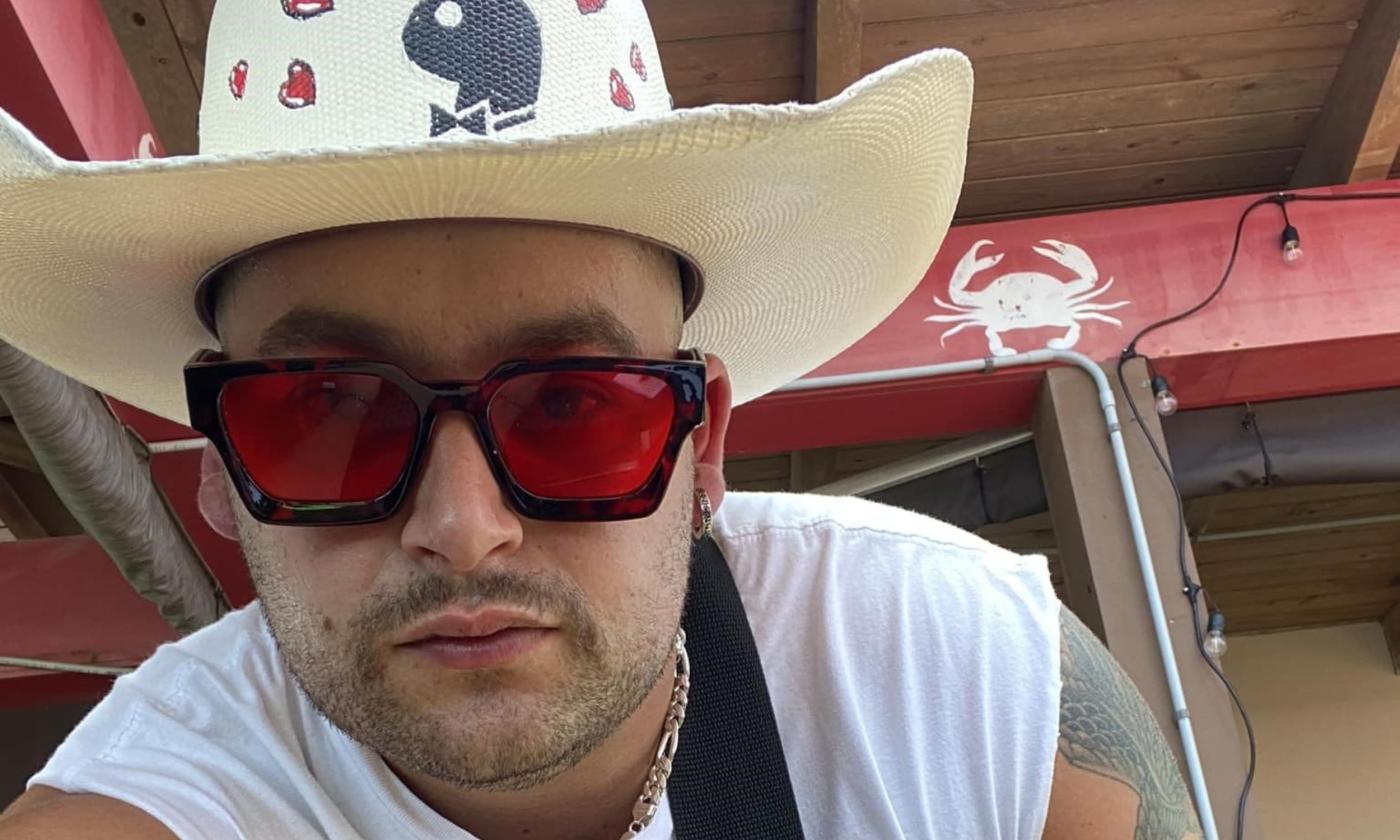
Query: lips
(638, 66)
(470, 625)
(588, 7)
(478, 640)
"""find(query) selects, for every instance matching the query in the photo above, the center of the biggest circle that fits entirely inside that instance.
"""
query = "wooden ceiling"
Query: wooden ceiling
(1080, 103)
(1280, 558)
(1271, 559)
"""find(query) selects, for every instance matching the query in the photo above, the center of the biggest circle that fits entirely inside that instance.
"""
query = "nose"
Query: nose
(457, 510)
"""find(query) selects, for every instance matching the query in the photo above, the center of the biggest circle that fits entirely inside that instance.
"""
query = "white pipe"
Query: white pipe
(68, 667)
(162, 447)
(1125, 481)
(1305, 528)
(923, 464)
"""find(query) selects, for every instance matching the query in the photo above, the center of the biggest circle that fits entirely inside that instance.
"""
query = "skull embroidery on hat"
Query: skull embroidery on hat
(490, 48)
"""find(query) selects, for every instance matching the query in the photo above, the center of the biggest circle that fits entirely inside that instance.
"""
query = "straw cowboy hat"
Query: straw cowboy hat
(800, 226)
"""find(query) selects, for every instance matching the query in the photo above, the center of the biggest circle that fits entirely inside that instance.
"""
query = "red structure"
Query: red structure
(1326, 324)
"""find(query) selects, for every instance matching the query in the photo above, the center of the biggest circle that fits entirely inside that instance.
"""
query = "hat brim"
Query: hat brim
(811, 223)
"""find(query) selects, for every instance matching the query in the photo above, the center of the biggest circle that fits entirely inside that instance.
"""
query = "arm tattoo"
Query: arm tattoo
(1107, 728)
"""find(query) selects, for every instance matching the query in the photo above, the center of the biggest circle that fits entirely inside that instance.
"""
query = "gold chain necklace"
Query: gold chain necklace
(650, 800)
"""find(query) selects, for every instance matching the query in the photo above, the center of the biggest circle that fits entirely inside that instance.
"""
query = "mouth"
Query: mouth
(476, 641)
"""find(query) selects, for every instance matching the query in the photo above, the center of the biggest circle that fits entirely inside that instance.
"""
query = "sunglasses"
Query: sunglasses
(339, 441)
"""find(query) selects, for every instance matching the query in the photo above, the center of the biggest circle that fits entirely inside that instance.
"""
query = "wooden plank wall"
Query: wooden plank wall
(1341, 574)
(1080, 103)
(1083, 104)
(730, 51)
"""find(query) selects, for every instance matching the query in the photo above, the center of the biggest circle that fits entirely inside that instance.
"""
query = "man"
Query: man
(471, 498)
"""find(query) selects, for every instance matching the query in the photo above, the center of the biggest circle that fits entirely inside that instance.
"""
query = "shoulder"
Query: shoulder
(215, 711)
(43, 812)
(1114, 766)
(782, 539)
(884, 632)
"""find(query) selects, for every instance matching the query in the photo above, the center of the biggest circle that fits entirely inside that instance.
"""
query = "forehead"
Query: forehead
(454, 293)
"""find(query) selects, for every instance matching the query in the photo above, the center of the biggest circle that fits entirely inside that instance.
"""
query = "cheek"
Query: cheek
(325, 571)
(634, 566)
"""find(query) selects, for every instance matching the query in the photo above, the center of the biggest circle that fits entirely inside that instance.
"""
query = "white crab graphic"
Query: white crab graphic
(1026, 300)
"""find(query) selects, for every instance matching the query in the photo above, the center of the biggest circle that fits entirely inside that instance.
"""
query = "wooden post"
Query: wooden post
(1390, 625)
(1103, 583)
(1357, 134)
(832, 60)
(161, 68)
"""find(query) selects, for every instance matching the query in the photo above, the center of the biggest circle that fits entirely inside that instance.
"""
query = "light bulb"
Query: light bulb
(1292, 245)
(1163, 397)
(1215, 643)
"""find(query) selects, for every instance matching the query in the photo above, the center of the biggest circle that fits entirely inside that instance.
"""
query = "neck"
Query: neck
(592, 800)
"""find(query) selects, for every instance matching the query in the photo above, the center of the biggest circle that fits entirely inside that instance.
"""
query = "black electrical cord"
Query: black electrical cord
(1193, 590)
(1190, 587)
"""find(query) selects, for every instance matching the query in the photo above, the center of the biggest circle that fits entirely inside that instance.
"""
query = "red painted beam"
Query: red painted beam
(63, 599)
(1322, 326)
(28, 93)
(88, 106)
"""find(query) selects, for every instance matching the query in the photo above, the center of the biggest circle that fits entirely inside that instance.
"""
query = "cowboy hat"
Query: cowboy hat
(807, 223)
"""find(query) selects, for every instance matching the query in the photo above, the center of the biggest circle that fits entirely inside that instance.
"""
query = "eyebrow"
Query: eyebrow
(304, 328)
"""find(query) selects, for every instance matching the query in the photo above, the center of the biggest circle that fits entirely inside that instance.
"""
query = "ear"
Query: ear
(214, 503)
(708, 438)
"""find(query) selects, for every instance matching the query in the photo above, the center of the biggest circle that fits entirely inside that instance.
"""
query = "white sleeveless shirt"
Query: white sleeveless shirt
(914, 671)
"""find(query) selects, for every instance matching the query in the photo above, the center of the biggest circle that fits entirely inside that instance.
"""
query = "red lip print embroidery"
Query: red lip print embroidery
(621, 96)
(588, 7)
(300, 88)
(637, 64)
(238, 79)
(303, 9)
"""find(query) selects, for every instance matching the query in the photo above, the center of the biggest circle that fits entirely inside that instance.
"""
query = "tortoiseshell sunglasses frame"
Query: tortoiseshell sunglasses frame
(209, 371)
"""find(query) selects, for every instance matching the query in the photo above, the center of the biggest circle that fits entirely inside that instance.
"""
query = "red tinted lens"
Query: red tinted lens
(582, 434)
(320, 436)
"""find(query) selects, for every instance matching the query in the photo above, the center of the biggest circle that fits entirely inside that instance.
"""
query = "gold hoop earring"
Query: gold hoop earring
(706, 528)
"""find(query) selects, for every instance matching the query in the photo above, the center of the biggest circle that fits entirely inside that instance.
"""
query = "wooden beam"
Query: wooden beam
(17, 516)
(158, 63)
(811, 468)
(14, 451)
(1103, 584)
(1391, 625)
(190, 21)
(1165, 180)
(832, 57)
(1104, 148)
(1358, 134)
(42, 501)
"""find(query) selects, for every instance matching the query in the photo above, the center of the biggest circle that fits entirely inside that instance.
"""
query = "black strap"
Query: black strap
(730, 780)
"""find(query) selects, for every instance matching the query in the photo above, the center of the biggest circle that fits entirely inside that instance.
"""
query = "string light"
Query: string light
(1292, 245)
(1163, 398)
(1216, 621)
(1215, 643)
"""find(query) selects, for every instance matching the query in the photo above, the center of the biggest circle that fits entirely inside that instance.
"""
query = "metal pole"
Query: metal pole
(1125, 480)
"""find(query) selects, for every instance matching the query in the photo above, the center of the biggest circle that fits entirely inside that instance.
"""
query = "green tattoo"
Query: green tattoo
(1107, 728)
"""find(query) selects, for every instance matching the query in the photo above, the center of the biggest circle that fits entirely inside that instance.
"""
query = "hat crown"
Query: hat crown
(301, 74)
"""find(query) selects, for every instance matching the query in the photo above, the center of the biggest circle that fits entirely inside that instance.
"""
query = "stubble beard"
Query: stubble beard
(483, 735)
